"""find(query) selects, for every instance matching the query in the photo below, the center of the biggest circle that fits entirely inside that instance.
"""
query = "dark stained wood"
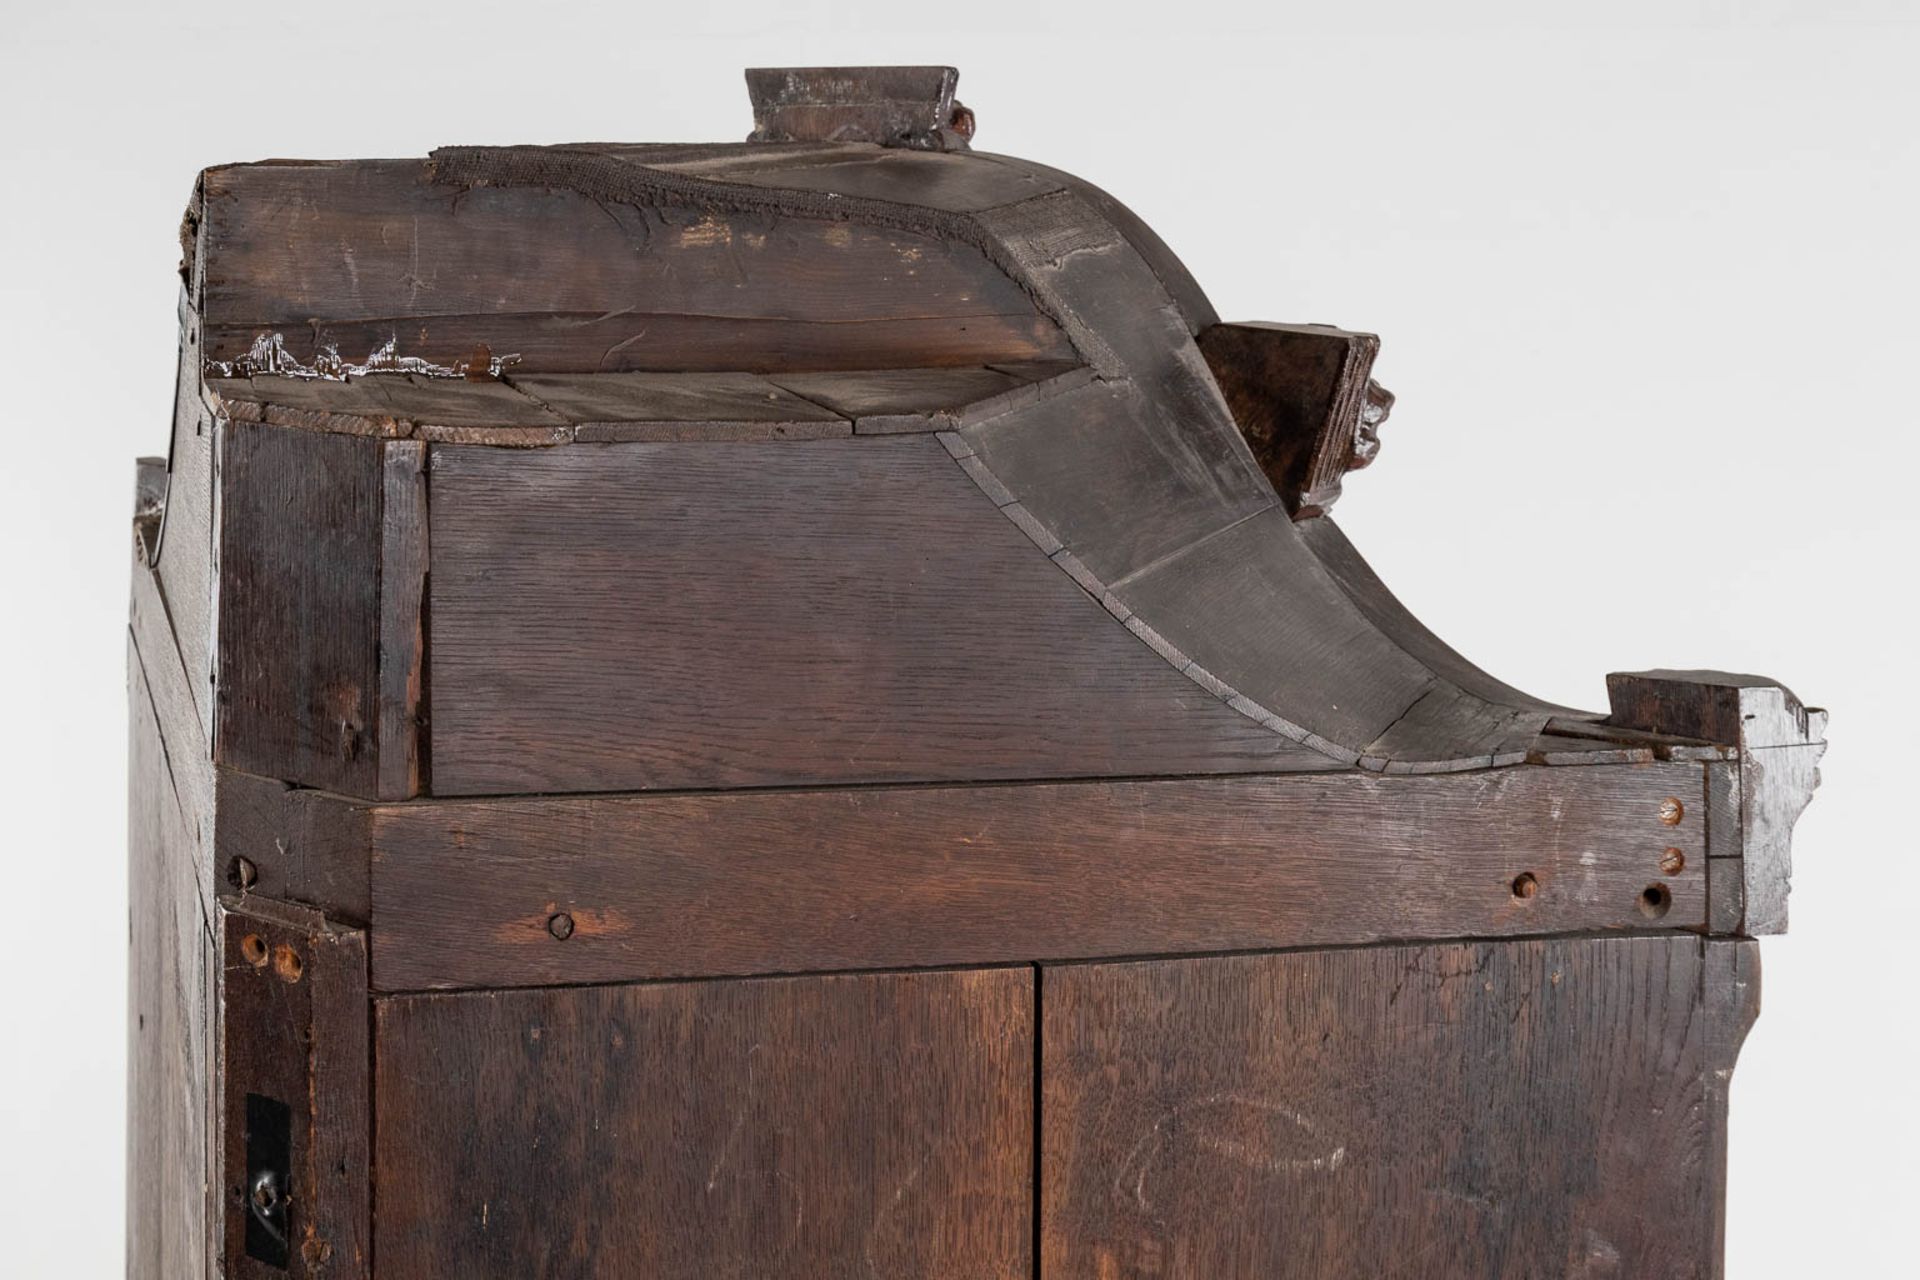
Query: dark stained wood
(925, 179)
(690, 650)
(1130, 470)
(1537, 1108)
(374, 243)
(628, 617)
(403, 586)
(617, 341)
(300, 629)
(1298, 393)
(382, 401)
(859, 1125)
(609, 399)
(890, 106)
(293, 1029)
(169, 1004)
(1172, 274)
(696, 885)
(292, 844)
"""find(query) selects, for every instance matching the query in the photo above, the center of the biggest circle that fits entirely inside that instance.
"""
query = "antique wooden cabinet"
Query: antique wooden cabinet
(793, 709)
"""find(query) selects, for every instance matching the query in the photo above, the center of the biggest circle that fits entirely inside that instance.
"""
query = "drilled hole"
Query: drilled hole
(560, 926)
(1525, 885)
(1655, 901)
(254, 948)
(286, 963)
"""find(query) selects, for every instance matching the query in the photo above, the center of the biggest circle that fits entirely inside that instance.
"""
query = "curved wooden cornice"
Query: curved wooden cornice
(1177, 469)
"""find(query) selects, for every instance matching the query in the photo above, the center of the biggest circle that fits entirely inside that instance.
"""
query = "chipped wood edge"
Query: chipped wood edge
(1755, 801)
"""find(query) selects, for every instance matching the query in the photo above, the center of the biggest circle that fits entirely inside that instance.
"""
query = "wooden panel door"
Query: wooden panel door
(806, 1128)
(1537, 1108)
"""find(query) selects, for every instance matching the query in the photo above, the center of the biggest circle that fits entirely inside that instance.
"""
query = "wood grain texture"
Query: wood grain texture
(294, 1029)
(889, 106)
(1535, 1108)
(170, 1002)
(300, 616)
(701, 885)
(644, 616)
(620, 398)
(1781, 741)
(184, 564)
(863, 1125)
(1296, 392)
(383, 244)
(300, 846)
(403, 591)
(621, 341)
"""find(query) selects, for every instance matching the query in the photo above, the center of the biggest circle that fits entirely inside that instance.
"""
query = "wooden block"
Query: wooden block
(1780, 743)
(1298, 394)
(891, 106)
(872, 1124)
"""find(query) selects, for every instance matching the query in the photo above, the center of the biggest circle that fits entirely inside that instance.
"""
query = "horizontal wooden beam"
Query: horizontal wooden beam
(606, 889)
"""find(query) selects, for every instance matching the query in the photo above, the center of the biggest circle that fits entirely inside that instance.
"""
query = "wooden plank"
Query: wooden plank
(785, 1130)
(184, 563)
(606, 399)
(620, 340)
(403, 586)
(169, 1003)
(300, 618)
(957, 183)
(855, 878)
(1528, 1108)
(626, 617)
(377, 240)
(293, 1048)
(383, 403)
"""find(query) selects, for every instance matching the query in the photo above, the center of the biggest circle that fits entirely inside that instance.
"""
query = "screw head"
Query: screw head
(560, 925)
(1525, 885)
(1673, 862)
(1671, 811)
